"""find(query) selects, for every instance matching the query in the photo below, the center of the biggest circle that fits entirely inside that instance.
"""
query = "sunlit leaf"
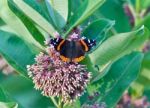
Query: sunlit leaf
(84, 11)
(28, 23)
(24, 93)
(58, 10)
(97, 30)
(17, 52)
(114, 10)
(118, 46)
(3, 96)
(25, 6)
(15, 24)
(8, 105)
(121, 75)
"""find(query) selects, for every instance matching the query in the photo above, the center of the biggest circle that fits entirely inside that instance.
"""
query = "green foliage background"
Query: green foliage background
(117, 62)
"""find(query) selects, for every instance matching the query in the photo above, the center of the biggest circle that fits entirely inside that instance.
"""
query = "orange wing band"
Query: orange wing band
(85, 45)
(78, 59)
(63, 58)
(60, 44)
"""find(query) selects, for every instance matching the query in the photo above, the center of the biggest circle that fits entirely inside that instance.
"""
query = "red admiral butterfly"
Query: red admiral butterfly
(72, 51)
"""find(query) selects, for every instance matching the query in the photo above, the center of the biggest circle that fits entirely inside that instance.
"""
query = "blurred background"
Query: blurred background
(127, 14)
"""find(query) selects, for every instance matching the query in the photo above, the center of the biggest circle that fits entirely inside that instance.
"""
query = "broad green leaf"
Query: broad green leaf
(101, 73)
(34, 14)
(24, 93)
(84, 11)
(17, 52)
(28, 23)
(146, 60)
(143, 80)
(3, 96)
(58, 10)
(122, 73)
(8, 105)
(118, 46)
(97, 30)
(144, 4)
(40, 7)
(2, 77)
(7, 29)
(114, 10)
(14, 22)
(145, 22)
(1, 22)
(5, 101)
(73, 7)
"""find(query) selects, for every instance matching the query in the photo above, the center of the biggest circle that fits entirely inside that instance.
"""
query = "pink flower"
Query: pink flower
(57, 78)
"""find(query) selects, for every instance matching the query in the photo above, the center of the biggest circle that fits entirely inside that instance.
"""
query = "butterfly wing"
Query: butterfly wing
(57, 42)
(78, 52)
(87, 44)
(66, 51)
(72, 51)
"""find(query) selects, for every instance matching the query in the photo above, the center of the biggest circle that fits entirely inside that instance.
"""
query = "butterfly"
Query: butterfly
(71, 50)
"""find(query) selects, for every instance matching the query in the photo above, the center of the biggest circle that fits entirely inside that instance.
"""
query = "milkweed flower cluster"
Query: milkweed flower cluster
(57, 78)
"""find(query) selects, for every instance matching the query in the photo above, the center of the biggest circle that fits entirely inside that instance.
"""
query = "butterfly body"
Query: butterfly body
(71, 50)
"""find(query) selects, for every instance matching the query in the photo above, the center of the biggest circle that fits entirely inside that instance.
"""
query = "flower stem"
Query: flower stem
(138, 6)
(54, 101)
(137, 12)
(60, 103)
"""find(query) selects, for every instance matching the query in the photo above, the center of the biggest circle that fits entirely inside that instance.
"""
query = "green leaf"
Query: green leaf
(87, 8)
(97, 30)
(145, 22)
(3, 96)
(8, 105)
(33, 10)
(122, 73)
(2, 22)
(7, 29)
(24, 93)
(58, 10)
(28, 23)
(101, 73)
(146, 60)
(17, 52)
(145, 4)
(15, 24)
(5, 101)
(118, 46)
(114, 10)
(143, 80)
(73, 7)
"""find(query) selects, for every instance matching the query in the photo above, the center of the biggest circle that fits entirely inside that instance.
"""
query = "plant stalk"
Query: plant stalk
(60, 105)
(54, 101)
